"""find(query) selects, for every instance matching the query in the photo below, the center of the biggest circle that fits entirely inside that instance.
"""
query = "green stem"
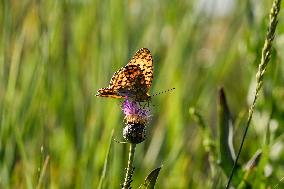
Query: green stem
(265, 58)
(130, 168)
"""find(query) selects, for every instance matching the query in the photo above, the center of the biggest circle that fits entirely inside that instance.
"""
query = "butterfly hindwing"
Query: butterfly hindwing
(107, 92)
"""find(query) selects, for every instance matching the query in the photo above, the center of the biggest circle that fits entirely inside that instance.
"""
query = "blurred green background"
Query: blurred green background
(56, 54)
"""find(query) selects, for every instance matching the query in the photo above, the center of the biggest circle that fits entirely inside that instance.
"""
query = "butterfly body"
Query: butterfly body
(133, 80)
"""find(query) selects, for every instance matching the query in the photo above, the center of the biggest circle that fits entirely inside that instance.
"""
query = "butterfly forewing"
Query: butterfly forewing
(124, 78)
(134, 80)
(144, 60)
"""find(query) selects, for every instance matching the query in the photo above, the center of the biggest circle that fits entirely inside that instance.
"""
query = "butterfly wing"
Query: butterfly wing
(122, 81)
(144, 60)
(134, 80)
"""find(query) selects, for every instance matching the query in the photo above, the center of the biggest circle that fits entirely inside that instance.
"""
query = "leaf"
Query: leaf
(225, 134)
(151, 179)
(249, 173)
(254, 161)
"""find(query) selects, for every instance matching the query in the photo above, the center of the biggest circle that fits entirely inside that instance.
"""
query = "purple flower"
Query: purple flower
(135, 112)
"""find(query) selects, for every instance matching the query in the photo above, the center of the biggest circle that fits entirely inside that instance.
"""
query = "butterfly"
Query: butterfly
(133, 80)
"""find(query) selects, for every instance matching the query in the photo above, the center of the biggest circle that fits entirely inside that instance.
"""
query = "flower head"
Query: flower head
(136, 116)
(135, 112)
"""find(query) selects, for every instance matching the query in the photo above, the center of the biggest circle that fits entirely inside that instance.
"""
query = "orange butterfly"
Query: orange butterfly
(133, 80)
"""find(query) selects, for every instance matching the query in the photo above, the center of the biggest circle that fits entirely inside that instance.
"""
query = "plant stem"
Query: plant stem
(43, 171)
(265, 58)
(130, 168)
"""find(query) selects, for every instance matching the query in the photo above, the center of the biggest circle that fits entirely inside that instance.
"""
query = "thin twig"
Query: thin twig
(265, 58)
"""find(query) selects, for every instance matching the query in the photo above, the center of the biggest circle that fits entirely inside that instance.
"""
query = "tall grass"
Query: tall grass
(56, 54)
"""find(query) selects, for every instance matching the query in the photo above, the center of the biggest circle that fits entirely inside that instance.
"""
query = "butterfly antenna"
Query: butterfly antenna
(163, 92)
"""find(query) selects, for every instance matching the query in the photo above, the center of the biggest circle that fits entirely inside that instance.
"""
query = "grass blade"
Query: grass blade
(103, 175)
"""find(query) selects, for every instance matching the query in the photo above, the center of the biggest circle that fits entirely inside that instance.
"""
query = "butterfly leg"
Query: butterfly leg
(148, 102)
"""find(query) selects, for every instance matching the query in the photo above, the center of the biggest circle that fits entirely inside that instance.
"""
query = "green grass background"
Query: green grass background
(56, 54)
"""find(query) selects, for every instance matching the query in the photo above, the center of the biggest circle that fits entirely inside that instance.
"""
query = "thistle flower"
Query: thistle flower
(136, 118)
